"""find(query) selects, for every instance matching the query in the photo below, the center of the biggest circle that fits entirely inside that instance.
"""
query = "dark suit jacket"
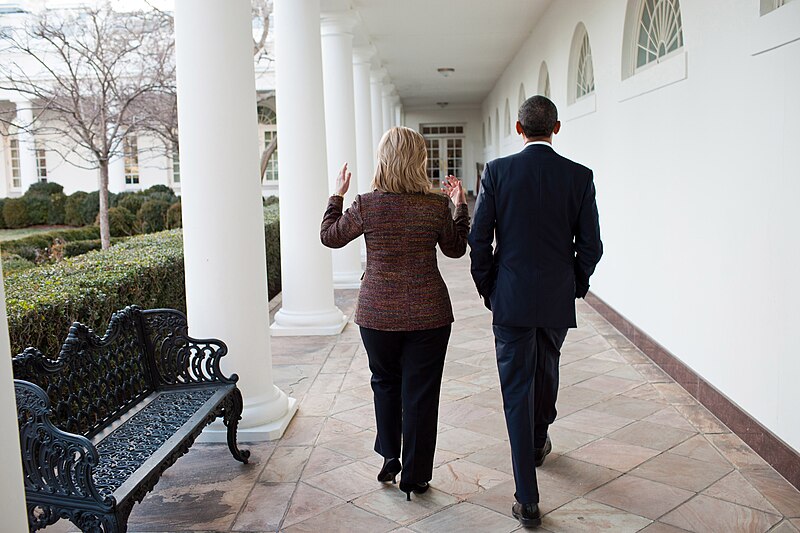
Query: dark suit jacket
(540, 207)
(402, 289)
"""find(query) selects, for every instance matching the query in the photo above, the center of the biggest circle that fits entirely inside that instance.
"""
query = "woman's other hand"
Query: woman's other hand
(343, 181)
(452, 187)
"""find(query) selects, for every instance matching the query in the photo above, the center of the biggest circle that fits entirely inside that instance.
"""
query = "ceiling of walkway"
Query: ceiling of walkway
(478, 38)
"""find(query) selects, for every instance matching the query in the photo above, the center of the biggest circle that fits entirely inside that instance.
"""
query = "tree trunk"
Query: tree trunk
(105, 233)
(267, 155)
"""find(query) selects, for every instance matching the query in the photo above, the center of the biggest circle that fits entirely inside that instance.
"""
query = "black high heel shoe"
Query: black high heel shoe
(416, 488)
(391, 467)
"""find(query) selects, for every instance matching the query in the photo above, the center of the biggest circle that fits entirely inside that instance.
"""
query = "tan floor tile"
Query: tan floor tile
(345, 402)
(783, 496)
(302, 431)
(681, 472)
(308, 502)
(454, 369)
(674, 394)
(593, 422)
(327, 383)
(669, 416)
(565, 440)
(466, 518)
(639, 496)
(578, 398)
(265, 507)
(356, 445)
(595, 364)
(785, 527)
(463, 441)
(627, 372)
(346, 518)
(363, 417)
(702, 419)
(316, 404)
(322, 460)
(584, 515)
(334, 428)
(572, 376)
(608, 384)
(736, 451)
(646, 392)
(711, 515)
(493, 425)
(483, 379)
(497, 457)
(658, 527)
(649, 435)
(573, 476)
(652, 373)
(462, 478)
(349, 481)
(699, 448)
(286, 464)
(500, 498)
(392, 504)
(461, 412)
(490, 399)
(627, 407)
(736, 489)
(453, 390)
(613, 454)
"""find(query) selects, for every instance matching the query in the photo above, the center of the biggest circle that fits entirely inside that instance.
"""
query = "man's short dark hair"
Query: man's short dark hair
(538, 116)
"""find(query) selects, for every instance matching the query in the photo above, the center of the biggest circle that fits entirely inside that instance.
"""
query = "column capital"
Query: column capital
(338, 23)
(378, 75)
(388, 89)
(363, 54)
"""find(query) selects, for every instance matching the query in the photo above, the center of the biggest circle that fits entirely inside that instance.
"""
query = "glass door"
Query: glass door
(445, 146)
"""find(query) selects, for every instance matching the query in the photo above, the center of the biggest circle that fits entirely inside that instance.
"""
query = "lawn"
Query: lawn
(11, 234)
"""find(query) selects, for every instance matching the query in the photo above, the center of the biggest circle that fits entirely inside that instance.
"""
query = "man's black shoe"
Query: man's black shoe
(541, 453)
(528, 514)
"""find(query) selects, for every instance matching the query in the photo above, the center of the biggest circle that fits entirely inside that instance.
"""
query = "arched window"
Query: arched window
(544, 80)
(508, 119)
(660, 31)
(581, 66)
(772, 5)
(522, 96)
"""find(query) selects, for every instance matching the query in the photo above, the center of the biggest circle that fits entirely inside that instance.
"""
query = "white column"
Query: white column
(398, 112)
(306, 271)
(364, 104)
(388, 88)
(116, 175)
(12, 503)
(376, 97)
(223, 221)
(340, 129)
(27, 145)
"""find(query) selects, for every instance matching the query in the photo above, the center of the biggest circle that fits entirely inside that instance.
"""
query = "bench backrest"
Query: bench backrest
(94, 380)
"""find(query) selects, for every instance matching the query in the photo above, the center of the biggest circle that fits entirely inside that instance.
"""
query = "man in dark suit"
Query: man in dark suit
(539, 210)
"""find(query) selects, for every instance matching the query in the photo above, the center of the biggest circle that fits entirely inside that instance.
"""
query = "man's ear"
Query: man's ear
(519, 128)
(557, 127)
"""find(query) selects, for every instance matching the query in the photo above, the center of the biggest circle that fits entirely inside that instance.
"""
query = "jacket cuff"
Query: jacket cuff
(335, 199)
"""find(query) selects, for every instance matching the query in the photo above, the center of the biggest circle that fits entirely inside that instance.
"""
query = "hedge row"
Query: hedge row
(33, 246)
(145, 270)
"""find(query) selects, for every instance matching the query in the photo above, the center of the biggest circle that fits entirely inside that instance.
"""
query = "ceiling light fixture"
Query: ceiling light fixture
(445, 71)
(442, 104)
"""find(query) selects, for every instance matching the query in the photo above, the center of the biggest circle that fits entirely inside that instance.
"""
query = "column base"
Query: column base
(218, 433)
(347, 280)
(291, 324)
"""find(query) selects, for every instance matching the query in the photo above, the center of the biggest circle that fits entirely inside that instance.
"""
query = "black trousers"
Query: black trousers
(407, 371)
(527, 360)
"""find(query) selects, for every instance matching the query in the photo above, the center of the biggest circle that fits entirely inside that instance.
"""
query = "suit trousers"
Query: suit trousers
(527, 361)
(406, 380)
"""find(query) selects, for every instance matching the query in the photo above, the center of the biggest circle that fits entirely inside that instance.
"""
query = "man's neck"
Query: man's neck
(548, 140)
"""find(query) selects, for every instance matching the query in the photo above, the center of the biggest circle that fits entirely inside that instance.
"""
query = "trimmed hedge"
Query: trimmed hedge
(15, 213)
(120, 222)
(31, 247)
(152, 216)
(174, 216)
(43, 302)
(57, 212)
(272, 237)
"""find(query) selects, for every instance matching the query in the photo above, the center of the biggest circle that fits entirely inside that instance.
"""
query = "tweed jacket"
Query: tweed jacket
(402, 289)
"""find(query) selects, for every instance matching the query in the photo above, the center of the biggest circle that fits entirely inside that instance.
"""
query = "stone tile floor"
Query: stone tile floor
(632, 451)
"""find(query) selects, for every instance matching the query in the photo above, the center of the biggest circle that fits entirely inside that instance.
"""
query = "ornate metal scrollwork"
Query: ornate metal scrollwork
(180, 359)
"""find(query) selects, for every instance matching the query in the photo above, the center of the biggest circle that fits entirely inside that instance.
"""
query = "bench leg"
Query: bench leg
(232, 413)
(90, 522)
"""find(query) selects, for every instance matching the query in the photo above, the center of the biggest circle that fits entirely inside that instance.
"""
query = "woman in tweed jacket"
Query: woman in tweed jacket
(404, 310)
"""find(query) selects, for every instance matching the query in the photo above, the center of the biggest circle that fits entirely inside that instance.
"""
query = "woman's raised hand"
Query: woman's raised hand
(452, 187)
(343, 181)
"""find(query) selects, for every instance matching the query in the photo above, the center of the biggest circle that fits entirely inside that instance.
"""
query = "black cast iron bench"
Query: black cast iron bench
(100, 424)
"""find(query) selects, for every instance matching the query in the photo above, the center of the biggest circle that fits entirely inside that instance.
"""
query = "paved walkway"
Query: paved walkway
(632, 451)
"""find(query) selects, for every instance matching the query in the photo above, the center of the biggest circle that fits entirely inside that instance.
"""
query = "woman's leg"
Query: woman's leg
(384, 353)
(423, 364)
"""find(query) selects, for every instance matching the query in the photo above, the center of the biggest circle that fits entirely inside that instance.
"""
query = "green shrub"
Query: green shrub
(118, 197)
(15, 213)
(42, 302)
(120, 222)
(131, 202)
(90, 207)
(174, 216)
(152, 216)
(2, 218)
(72, 209)
(162, 197)
(34, 247)
(158, 189)
(272, 236)
(37, 207)
(270, 200)
(44, 188)
(56, 209)
(14, 263)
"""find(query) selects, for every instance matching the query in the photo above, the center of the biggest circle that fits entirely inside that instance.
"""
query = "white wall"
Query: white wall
(470, 117)
(697, 187)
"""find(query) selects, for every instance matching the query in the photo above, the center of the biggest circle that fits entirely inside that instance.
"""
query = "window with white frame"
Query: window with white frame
(508, 119)
(16, 172)
(522, 96)
(41, 162)
(584, 82)
(176, 165)
(130, 151)
(660, 31)
(768, 6)
(269, 121)
(544, 80)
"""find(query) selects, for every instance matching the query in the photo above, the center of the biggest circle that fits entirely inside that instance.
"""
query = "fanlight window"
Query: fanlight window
(521, 95)
(544, 80)
(585, 78)
(267, 115)
(660, 31)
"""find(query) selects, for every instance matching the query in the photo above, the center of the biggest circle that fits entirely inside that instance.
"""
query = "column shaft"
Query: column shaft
(376, 98)
(224, 249)
(364, 136)
(306, 269)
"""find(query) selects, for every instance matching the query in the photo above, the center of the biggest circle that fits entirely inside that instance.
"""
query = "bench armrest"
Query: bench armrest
(55, 463)
(178, 358)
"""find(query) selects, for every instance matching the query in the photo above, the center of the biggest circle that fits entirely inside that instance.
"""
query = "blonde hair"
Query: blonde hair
(402, 158)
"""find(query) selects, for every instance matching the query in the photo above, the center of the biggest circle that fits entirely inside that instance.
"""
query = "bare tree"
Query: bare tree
(261, 12)
(86, 72)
